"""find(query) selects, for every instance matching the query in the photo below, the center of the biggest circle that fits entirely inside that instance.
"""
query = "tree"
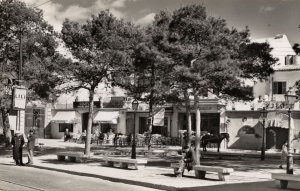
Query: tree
(296, 48)
(209, 56)
(149, 66)
(27, 53)
(100, 48)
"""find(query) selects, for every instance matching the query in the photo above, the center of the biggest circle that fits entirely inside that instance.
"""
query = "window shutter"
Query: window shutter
(283, 87)
(275, 87)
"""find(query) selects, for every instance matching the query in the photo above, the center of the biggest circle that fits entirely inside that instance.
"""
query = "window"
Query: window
(279, 87)
(64, 126)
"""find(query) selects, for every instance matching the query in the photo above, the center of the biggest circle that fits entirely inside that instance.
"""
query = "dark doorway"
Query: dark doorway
(37, 121)
(143, 125)
(275, 137)
(210, 122)
(85, 119)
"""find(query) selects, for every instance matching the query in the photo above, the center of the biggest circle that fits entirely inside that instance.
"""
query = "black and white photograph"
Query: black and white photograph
(148, 95)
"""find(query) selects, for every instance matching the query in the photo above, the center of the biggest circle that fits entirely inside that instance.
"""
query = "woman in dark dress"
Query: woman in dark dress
(17, 143)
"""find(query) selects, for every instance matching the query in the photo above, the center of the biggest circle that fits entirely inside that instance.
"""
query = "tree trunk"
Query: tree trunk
(87, 148)
(198, 130)
(188, 117)
(152, 84)
(6, 127)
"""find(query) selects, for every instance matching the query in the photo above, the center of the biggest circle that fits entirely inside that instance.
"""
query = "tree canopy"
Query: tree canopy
(100, 47)
(27, 53)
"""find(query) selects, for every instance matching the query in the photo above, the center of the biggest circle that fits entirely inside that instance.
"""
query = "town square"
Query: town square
(150, 95)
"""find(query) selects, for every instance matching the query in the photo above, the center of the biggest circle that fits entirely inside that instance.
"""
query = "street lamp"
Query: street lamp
(263, 147)
(135, 105)
(290, 100)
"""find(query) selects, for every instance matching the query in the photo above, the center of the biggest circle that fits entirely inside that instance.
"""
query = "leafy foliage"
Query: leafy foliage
(100, 47)
(23, 30)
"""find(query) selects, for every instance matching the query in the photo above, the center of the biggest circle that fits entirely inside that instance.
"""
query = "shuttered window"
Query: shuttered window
(279, 87)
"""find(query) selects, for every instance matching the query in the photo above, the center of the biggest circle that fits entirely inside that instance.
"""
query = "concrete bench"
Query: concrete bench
(72, 156)
(200, 171)
(283, 179)
(125, 162)
(223, 155)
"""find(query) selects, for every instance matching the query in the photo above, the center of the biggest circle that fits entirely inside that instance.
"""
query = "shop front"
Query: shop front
(161, 121)
(63, 120)
(106, 120)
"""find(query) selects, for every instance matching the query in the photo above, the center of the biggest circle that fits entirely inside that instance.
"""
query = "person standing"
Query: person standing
(284, 154)
(67, 135)
(30, 146)
(17, 143)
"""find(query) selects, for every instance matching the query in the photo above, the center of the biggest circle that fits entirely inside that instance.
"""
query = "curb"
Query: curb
(112, 179)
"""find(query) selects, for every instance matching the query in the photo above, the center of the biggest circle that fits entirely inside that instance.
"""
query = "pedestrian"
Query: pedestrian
(184, 139)
(17, 143)
(284, 154)
(188, 159)
(101, 138)
(67, 135)
(30, 146)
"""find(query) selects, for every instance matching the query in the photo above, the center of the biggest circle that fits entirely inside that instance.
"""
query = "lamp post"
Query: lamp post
(263, 147)
(135, 105)
(290, 100)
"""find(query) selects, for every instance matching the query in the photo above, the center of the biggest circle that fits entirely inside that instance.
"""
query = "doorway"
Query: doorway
(85, 120)
(275, 137)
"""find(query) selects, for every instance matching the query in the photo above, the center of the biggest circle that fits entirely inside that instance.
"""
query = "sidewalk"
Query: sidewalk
(157, 173)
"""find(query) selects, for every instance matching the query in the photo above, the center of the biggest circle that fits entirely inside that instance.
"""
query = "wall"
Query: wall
(238, 140)
(290, 77)
(254, 141)
(261, 88)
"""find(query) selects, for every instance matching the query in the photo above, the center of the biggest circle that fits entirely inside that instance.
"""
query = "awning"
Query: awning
(158, 118)
(107, 117)
(66, 117)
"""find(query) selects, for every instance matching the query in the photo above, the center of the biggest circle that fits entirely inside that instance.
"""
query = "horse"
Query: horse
(214, 139)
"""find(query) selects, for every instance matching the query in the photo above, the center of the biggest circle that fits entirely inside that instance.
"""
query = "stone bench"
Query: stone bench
(125, 162)
(223, 155)
(200, 171)
(283, 179)
(72, 156)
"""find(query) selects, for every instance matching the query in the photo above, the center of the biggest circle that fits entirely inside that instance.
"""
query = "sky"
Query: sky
(265, 18)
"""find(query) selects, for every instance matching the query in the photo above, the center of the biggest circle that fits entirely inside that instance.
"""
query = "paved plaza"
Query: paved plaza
(157, 173)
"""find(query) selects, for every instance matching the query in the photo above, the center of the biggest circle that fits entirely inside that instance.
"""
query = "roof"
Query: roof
(287, 67)
(281, 47)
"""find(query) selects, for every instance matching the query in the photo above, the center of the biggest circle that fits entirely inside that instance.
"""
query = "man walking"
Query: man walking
(30, 146)
(17, 143)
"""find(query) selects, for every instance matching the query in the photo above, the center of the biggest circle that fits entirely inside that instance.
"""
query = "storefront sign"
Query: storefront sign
(158, 119)
(19, 98)
(85, 104)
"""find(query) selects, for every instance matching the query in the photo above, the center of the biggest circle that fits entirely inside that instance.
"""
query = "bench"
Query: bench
(125, 162)
(223, 155)
(283, 179)
(200, 171)
(72, 156)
